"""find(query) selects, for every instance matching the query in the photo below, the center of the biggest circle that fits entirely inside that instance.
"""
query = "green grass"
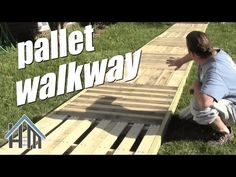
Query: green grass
(186, 137)
(118, 38)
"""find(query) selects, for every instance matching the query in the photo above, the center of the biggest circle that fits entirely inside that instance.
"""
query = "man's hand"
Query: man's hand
(175, 62)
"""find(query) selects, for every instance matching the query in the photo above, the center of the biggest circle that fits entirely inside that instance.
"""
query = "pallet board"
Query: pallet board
(121, 117)
(125, 109)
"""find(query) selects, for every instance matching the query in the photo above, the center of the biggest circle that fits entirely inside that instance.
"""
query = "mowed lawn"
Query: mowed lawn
(118, 38)
(186, 137)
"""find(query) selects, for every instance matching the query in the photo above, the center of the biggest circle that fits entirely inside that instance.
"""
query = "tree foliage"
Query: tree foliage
(6, 38)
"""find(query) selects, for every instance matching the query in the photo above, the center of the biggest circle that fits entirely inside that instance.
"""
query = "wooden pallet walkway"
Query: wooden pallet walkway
(123, 117)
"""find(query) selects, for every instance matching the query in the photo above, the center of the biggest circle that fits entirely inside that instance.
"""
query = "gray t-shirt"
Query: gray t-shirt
(218, 77)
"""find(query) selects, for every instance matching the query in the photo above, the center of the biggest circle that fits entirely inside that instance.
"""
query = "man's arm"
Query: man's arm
(203, 100)
(178, 62)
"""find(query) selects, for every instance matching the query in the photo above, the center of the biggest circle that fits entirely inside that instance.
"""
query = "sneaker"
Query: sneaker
(220, 138)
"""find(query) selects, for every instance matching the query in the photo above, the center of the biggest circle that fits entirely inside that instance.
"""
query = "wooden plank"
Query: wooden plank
(142, 78)
(92, 136)
(156, 144)
(45, 125)
(165, 50)
(133, 93)
(71, 137)
(169, 42)
(63, 137)
(157, 141)
(92, 146)
(140, 86)
(99, 115)
(151, 71)
(148, 139)
(128, 141)
(153, 77)
(153, 49)
(106, 144)
(127, 100)
(126, 104)
(178, 50)
(180, 34)
(160, 76)
(120, 107)
(89, 145)
(135, 97)
(70, 100)
(151, 66)
(175, 101)
(164, 78)
(128, 113)
(176, 78)
(104, 133)
(158, 57)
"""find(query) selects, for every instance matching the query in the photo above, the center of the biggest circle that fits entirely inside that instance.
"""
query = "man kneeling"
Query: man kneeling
(214, 93)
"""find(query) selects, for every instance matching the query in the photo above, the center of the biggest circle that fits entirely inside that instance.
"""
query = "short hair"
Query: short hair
(199, 43)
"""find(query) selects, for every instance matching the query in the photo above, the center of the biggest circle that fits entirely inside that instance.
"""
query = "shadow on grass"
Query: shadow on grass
(37, 118)
(186, 130)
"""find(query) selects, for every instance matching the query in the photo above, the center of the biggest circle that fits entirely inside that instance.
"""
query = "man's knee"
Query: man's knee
(226, 111)
(203, 116)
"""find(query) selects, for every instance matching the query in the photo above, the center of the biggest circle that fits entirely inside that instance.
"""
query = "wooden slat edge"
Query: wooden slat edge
(175, 101)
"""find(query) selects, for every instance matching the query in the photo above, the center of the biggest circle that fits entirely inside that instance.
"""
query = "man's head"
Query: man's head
(199, 45)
